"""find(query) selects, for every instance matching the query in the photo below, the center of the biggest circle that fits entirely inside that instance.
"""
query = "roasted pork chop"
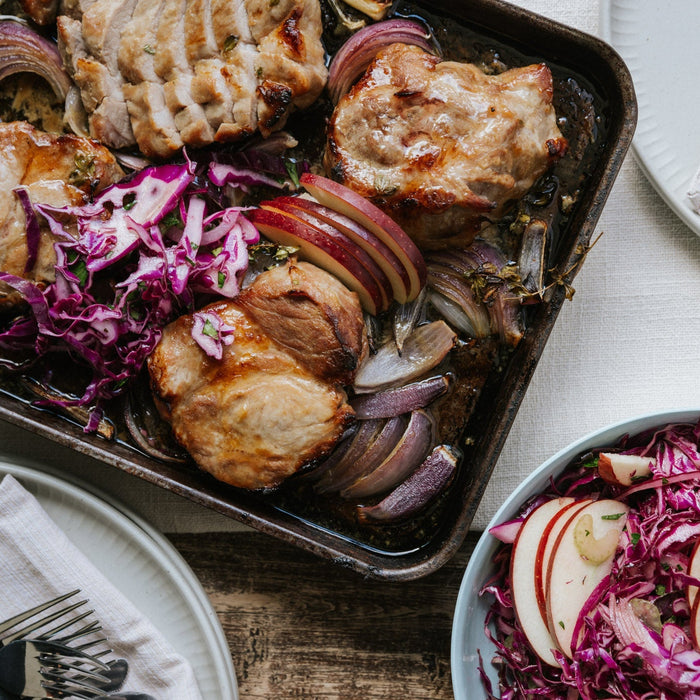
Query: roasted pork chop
(55, 170)
(166, 73)
(263, 411)
(441, 146)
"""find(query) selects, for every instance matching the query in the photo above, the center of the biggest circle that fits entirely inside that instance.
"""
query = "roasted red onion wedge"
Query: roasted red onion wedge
(361, 48)
(353, 450)
(403, 460)
(378, 449)
(479, 278)
(22, 50)
(423, 350)
(414, 494)
(404, 399)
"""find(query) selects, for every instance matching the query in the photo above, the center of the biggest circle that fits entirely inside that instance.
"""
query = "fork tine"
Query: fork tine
(21, 617)
(93, 626)
(42, 622)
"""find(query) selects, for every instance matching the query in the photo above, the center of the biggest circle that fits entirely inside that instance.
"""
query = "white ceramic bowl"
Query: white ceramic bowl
(468, 638)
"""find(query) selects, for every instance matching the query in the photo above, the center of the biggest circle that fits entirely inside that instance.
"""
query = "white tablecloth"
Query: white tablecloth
(628, 343)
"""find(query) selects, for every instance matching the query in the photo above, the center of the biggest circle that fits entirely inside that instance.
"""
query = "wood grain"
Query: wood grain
(301, 627)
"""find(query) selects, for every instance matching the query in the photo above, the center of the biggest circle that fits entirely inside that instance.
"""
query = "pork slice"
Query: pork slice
(55, 170)
(171, 64)
(91, 58)
(74, 8)
(290, 63)
(238, 51)
(200, 41)
(312, 315)
(151, 120)
(210, 89)
(138, 45)
(253, 418)
(239, 74)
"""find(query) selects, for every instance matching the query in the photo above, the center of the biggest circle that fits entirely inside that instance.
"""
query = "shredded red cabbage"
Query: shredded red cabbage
(143, 252)
(633, 635)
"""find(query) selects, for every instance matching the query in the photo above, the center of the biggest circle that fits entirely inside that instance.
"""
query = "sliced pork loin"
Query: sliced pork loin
(263, 411)
(56, 170)
(440, 145)
(166, 73)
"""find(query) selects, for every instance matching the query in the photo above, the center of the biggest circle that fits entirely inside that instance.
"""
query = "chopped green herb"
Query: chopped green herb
(221, 279)
(561, 624)
(129, 201)
(660, 589)
(635, 537)
(171, 219)
(209, 329)
(291, 167)
(612, 516)
(79, 269)
(149, 49)
(230, 43)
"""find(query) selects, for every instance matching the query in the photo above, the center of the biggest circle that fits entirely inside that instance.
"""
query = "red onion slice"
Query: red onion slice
(357, 446)
(361, 48)
(404, 399)
(423, 350)
(414, 494)
(22, 50)
(408, 454)
(377, 451)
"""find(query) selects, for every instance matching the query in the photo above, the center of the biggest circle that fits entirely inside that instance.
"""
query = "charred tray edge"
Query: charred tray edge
(532, 34)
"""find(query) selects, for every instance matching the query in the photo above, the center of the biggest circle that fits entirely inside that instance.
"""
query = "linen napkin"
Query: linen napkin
(39, 562)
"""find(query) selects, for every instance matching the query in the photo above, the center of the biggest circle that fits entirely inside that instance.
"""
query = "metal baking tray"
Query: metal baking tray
(525, 37)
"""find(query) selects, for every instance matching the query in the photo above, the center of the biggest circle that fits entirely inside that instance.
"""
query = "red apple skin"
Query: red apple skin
(393, 268)
(320, 250)
(694, 571)
(545, 547)
(622, 470)
(571, 578)
(341, 239)
(336, 196)
(522, 577)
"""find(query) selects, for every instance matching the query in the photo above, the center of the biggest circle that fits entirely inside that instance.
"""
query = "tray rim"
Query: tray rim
(497, 17)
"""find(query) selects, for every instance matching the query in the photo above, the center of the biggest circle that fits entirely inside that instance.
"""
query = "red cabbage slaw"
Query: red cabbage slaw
(128, 263)
(635, 641)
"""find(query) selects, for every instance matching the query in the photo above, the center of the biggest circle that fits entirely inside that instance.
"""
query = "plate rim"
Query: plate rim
(679, 206)
(534, 482)
(151, 541)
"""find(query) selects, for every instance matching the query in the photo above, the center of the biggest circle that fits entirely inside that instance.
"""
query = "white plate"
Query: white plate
(148, 571)
(659, 43)
(468, 638)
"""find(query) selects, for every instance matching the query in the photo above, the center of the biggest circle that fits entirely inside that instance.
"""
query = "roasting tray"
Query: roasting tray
(538, 39)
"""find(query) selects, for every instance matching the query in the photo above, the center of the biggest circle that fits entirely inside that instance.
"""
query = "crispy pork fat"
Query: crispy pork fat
(164, 74)
(441, 146)
(55, 170)
(267, 408)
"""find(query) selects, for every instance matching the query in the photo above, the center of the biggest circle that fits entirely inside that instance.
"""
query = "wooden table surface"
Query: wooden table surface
(300, 627)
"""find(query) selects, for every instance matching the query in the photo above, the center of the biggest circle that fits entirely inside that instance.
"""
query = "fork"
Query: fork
(36, 669)
(8, 634)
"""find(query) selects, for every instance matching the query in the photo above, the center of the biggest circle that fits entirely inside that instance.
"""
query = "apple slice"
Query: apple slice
(546, 547)
(695, 622)
(522, 577)
(340, 198)
(582, 557)
(281, 204)
(393, 268)
(623, 470)
(694, 571)
(320, 250)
